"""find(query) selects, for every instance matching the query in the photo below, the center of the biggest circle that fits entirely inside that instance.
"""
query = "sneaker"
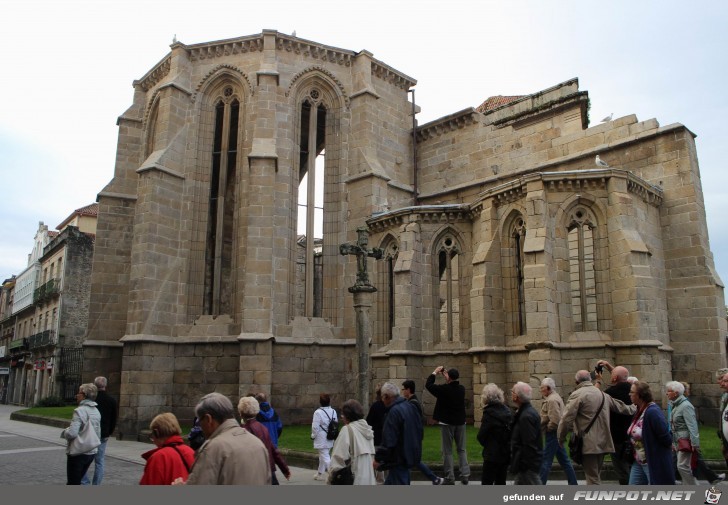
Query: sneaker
(464, 481)
(439, 481)
(448, 482)
(318, 476)
(721, 478)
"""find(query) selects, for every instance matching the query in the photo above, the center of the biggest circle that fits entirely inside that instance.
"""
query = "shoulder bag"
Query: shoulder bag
(86, 441)
(344, 476)
(576, 443)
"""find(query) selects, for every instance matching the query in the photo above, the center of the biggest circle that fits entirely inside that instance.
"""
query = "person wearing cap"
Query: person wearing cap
(450, 414)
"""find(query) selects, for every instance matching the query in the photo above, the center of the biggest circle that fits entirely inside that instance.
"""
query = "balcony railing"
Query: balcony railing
(46, 291)
(41, 339)
(18, 344)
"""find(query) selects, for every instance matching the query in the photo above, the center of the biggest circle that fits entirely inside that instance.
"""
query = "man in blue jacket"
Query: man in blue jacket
(401, 447)
(450, 414)
(269, 418)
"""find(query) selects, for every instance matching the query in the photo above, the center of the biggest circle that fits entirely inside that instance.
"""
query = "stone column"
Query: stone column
(362, 304)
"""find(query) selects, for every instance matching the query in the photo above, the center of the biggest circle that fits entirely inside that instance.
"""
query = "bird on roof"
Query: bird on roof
(608, 118)
(600, 162)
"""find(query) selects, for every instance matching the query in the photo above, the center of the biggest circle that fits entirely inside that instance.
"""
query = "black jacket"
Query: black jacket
(526, 443)
(450, 405)
(375, 419)
(495, 433)
(108, 409)
(619, 423)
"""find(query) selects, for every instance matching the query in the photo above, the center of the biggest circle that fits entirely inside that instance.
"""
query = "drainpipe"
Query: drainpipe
(414, 150)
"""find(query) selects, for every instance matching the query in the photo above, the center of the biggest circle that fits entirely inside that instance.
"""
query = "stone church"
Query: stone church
(507, 251)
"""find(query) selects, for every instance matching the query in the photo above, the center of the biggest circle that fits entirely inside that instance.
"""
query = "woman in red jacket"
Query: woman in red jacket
(172, 458)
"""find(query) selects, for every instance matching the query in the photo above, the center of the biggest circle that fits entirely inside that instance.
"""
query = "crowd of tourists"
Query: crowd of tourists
(240, 446)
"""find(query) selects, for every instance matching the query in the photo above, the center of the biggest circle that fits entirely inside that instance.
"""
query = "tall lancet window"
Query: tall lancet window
(219, 281)
(386, 293)
(449, 289)
(518, 237)
(581, 271)
(311, 179)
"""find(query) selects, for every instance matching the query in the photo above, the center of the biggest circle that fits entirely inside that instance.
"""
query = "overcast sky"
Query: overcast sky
(68, 68)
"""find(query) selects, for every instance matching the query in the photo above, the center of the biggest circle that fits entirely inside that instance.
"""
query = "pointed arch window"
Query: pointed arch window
(449, 289)
(386, 293)
(219, 280)
(311, 178)
(581, 271)
(518, 238)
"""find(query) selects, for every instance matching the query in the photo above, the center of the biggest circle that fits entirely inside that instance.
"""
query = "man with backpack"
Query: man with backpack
(324, 430)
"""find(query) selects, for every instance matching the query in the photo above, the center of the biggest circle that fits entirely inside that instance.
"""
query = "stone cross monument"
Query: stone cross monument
(362, 291)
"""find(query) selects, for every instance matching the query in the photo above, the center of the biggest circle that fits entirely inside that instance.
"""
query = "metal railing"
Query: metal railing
(46, 291)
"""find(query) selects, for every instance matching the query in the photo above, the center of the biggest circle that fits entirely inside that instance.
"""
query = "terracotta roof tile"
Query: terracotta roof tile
(88, 210)
(496, 101)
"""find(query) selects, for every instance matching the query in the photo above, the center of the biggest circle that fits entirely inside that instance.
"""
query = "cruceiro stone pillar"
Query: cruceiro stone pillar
(362, 291)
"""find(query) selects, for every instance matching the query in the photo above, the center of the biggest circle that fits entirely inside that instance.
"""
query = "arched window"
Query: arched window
(385, 293)
(513, 259)
(219, 280)
(449, 289)
(310, 219)
(581, 270)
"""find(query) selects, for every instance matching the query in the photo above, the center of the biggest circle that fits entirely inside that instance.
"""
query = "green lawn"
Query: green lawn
(298, 437)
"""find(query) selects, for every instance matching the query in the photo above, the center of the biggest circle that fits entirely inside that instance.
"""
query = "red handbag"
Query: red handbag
(684, 445)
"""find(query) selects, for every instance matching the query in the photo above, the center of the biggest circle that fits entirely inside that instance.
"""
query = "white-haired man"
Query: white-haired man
(585, 404)
(401, 447)
(230, 455)
(526, 445)
(552, 408)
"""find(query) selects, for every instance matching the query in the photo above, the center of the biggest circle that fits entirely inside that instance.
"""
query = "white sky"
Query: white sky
(68, 68)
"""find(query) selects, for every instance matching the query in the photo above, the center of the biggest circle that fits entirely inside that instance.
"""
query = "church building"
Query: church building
(507, 250)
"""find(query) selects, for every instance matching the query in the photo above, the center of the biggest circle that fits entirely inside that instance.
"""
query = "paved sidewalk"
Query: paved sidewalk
(35, 449)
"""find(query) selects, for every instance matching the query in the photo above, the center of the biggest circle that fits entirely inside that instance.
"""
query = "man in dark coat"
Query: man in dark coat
(526, 443)
(450, 414)
(108, 409)
(402, 433)
(618, 423)
(408, 391)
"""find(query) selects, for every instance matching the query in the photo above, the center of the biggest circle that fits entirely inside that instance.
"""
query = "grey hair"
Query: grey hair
(101, 383)
(549, 383)
(89, 391)
(390, 390)
(721, 372)
(352, 410)
(248, 407)
(217, 405)
(582, 376)
(523, 391)
(675, 386)
(492, 394)
(632, 379)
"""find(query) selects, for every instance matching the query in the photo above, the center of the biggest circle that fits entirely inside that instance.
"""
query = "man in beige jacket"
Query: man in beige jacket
(230, 455)
(582, 406)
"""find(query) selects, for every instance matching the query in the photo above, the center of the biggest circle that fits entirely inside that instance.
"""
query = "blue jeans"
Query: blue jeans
(98, 466)
(550, 449)
(398, 476)
(639, 475)
(449, 434)
(426, 471)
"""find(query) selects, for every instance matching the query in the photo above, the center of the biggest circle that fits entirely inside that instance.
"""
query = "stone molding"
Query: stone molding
(156, 74)
(313, 50)
(425, 214)
(117, 196)
(226, 47)
(450, 123)
(328, 74)
(215, 71)
(388, 74)
(102, 343)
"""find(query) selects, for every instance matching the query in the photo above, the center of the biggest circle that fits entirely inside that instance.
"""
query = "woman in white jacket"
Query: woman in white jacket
(355, 439)
(320, 425)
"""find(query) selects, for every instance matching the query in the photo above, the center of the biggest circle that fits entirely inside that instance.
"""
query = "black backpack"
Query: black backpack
(333, 430)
